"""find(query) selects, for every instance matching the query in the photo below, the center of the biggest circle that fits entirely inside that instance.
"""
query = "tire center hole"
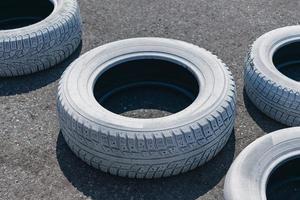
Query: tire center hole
(287, 60)
(17, 14)
(284, 181)
(146, 88)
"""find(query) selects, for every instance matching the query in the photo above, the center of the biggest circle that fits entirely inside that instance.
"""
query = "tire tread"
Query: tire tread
(28, 53)
(277, 102)
(149, 154)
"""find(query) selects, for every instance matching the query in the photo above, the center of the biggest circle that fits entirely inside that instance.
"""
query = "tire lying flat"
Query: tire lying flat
(43, 44)
(248, 175)
(147, 148)
(275, 94)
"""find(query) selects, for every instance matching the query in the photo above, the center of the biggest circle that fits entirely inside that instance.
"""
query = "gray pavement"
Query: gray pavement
(35, 162)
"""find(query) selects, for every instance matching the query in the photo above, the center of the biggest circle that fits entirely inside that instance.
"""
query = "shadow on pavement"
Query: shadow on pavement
(22, 84)
(263, 121)
(98, 185)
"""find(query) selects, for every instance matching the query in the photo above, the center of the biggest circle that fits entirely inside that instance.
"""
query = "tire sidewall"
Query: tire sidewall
(248, 175)
(61, 8)
(263, 50)
(78, 80)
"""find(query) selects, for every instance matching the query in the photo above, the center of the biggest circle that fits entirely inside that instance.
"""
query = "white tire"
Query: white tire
(274, 93)
(248, 175)
(147, 148)
(43, 44)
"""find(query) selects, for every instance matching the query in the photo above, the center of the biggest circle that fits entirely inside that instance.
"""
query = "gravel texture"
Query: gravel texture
(35, 162)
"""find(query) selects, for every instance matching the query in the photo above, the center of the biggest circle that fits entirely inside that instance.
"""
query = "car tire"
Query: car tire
(147, 148)
(41, 45)
(248, 175)
(272, 92)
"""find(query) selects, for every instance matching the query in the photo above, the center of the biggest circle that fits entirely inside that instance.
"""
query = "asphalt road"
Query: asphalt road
(35, 162)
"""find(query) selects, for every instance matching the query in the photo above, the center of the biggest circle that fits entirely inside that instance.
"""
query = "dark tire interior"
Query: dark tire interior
(287, 60)
(21, 13)
(284, 181)
(146, 88)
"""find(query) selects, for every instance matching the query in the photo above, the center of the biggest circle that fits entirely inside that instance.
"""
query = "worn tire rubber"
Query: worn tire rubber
(273, 93)
(41, 45)
(147, 148)
(248, 175)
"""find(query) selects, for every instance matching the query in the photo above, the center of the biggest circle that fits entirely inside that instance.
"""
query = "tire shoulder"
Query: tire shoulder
(187, 139)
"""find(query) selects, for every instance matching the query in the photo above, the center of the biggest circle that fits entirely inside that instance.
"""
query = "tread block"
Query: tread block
(141, 153)
(274, 100)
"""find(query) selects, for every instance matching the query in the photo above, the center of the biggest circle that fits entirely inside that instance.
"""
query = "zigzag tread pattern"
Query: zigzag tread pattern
(279, 103)
(43, 48)
(148, 154)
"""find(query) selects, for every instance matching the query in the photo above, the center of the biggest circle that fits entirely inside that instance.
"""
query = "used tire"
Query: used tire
(251, 172)
(37, 34)
(272, 75)
(147, 148)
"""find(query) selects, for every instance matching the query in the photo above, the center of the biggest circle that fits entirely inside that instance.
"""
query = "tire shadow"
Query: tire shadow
(263, 121)
(22, 84)
(98, 185)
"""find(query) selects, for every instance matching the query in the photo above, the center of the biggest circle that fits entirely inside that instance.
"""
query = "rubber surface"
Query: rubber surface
(42, 164)
(248, 176)
(147, 148)
(275, 94)
(41, 45)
